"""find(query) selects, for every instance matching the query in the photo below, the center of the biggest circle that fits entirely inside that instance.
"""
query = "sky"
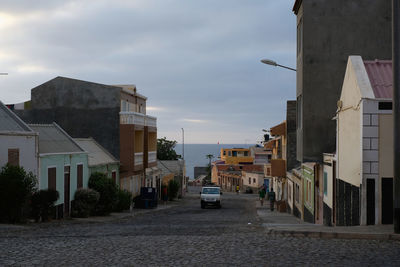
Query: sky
(197, 62)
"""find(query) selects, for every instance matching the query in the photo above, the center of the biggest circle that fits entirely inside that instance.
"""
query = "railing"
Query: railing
(152, 156)
(151, 121)
(129, 117)
(138, 158)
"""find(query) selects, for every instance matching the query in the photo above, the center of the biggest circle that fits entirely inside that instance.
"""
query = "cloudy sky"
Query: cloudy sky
(198, 62)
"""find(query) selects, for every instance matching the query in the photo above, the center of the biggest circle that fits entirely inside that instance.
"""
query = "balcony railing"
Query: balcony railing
(151, 121)
(129, 117)
(152, 156)
(138, 158)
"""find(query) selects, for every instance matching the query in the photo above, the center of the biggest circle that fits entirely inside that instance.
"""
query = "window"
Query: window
(254, 180)
(297, 193)
(79, 175)
(229, 153)
(51, 176)
(13, 156)
(224, 153)
(249, 180)
(325, 184)
(385, 105)
(246, 153)
(234, 153)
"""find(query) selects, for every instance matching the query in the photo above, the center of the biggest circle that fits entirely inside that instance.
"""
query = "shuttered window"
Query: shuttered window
(52, 176)
(13, 156)
(79, 175)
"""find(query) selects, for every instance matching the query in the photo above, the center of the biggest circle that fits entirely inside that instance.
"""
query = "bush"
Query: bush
(42, 202)
(108, 193)
(16, 188)
(85, 200)
(173, 188)
(124, 200)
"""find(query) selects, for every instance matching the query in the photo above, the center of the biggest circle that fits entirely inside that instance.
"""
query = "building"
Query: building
(63, 165)
(236, 156)
(364, 181)
(99, 159)
(114, 115)
(329, 185)
(327, 32)
(260, 155)
(18, 142)
(229, 176)
(173, 170)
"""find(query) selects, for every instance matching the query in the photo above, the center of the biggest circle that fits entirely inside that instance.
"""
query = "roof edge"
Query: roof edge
(296, 6)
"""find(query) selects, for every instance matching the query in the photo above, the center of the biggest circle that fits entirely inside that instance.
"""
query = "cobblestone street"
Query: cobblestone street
(184, 234)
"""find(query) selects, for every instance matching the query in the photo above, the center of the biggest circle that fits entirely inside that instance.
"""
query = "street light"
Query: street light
(273, 63)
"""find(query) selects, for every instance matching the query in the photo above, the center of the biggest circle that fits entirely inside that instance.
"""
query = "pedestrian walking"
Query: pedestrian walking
(237, 190)
(261, 194)
(271, 197)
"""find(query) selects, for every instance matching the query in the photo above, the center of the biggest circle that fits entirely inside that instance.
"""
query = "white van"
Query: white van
(210, 195)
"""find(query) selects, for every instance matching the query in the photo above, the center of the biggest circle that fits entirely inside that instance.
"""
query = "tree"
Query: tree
(173, 188)
(165, 149)
(16, 188)
(108, 193)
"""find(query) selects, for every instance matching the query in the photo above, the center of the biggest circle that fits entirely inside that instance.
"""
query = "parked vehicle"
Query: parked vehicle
(210, 195)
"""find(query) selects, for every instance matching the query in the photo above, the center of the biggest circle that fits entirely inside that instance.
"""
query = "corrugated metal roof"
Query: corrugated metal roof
(380, 75)
(98, 155)
(52, 139)
(171, 166)
(10, 122)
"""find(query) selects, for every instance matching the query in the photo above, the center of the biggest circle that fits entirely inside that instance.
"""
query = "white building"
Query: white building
(18, 142)
(365, 144)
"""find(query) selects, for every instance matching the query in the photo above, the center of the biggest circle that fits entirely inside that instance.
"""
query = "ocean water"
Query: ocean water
(195, 154)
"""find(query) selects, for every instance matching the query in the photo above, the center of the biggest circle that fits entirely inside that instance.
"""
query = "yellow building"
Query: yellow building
(236, 156)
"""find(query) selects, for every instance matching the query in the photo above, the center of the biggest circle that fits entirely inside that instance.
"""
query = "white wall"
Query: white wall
(349, 139)
(27, 145)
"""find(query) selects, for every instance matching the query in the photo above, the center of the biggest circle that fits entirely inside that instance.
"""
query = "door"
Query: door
(370, 201)
(66, 191)
(387, 200)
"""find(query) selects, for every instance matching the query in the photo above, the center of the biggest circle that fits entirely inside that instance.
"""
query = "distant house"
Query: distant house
(173, 169)
(236, 156)
(63, 165)
(364, 187)
(99, 159)
(18, 142)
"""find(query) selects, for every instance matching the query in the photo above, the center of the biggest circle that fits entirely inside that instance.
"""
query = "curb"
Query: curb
(336, 235)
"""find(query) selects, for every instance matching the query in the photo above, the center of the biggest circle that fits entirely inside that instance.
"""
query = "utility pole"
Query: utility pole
(183, 144)
(396, 112)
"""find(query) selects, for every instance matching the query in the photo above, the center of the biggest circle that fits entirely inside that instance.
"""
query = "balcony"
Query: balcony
(151, 121)
(278, 167)
(152, 156)
(128, 117)
(139, 159)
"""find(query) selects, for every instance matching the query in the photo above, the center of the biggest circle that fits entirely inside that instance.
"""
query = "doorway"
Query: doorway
(67, 182)
(387, 200)
(370, 201)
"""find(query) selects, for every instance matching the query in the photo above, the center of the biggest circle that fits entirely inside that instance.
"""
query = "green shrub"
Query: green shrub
(173, 188)
(108, 193)
(42, 202)
(85, 200)
(124, 200)
(16, 188)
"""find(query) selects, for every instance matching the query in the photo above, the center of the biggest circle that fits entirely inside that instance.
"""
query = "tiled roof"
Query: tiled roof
(381, 77)
(52, 139)
(10, 122)
(97, 154)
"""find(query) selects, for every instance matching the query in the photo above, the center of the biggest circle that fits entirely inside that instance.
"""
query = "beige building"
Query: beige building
(364, 187)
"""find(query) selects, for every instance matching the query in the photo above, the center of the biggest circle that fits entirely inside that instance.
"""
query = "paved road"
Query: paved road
(185, 235)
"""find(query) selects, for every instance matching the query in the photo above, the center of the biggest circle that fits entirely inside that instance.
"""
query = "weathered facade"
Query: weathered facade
(114, 115)
(327, 32)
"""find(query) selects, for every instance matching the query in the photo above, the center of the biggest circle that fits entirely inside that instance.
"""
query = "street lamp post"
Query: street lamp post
(273, 63)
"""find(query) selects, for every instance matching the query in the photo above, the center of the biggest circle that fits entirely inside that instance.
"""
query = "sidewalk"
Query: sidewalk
(283, 223)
